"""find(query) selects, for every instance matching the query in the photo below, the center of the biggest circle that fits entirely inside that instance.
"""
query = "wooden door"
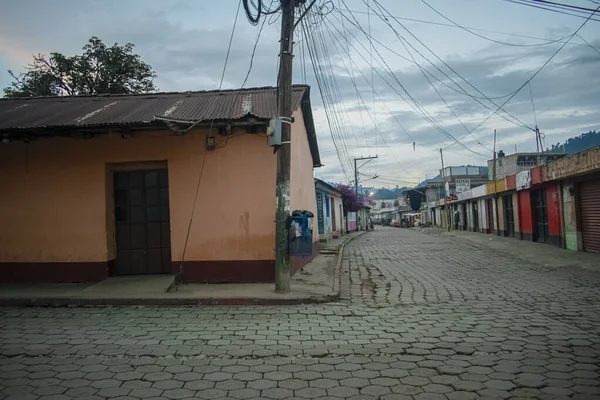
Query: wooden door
(142, 226)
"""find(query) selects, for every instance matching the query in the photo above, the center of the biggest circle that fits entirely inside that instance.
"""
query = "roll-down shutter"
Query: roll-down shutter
(590, 215)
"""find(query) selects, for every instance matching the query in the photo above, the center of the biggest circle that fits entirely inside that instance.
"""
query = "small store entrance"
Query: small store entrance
(590, 215)
(142, 225)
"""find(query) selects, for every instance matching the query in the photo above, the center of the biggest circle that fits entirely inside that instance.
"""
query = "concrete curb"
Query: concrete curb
(338, 265)
(90, 302)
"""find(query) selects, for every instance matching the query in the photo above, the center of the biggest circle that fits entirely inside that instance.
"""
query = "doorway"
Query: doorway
(509, 216)
(142, 222)
(490, 215)
(333, 218)
(540, 216)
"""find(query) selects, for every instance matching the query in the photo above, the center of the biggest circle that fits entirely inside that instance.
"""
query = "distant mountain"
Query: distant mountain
(577, 143)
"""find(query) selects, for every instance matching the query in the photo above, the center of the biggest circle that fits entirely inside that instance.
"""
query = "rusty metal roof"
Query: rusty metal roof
(42, 115)
(88, 111)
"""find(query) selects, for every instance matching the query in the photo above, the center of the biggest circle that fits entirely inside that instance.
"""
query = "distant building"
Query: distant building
(514, 163)
(455, 179)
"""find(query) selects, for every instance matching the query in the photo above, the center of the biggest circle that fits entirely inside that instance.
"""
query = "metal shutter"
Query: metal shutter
(590, 215)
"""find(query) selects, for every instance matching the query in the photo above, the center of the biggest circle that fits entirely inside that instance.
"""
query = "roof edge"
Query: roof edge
(216, 91)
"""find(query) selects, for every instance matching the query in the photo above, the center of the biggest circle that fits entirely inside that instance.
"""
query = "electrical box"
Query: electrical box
(274, 132)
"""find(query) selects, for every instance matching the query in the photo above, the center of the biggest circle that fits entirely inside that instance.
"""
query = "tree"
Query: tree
(99, 70)
(349, 199)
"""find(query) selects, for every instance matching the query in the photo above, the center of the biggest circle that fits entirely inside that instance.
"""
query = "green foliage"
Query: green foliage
(99, 70)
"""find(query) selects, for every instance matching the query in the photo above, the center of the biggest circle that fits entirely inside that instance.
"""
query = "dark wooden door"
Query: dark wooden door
(509, 216)
(142, 226)
(540, 216)
(475, 217)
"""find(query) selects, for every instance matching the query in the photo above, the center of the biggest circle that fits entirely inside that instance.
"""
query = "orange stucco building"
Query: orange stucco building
(163, 183)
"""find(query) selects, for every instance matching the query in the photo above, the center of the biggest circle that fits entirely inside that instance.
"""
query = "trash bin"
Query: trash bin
(301, 233)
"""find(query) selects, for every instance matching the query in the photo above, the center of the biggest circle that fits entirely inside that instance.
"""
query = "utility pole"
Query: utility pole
(282, 186)
(357, 167)
(537, 144)
(495, 190)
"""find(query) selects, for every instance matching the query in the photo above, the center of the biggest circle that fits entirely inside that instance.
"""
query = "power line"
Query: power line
(552, 9)
(532, 104)
(334, 130)
(539, 69)
(490, 39)
(378, 132)
(450, 68)
(548, 41)
(352, 63)
(439, 94)
(562, 5)
(417, 107)
(459, 90)
(589, 45)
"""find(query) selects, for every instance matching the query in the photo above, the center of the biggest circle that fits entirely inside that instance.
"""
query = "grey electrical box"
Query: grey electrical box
(274, 132)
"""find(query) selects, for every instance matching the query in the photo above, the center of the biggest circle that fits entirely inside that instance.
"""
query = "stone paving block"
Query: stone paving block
(144, 393)
(277, 393)
(198, 385)
(262, 384)
(375, 390)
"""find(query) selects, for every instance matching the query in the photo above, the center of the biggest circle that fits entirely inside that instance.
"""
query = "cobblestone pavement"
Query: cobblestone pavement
(422, 317)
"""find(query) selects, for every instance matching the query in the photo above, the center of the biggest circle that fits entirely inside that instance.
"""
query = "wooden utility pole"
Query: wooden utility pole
(282, 188)
(495, 201)
(357, 167)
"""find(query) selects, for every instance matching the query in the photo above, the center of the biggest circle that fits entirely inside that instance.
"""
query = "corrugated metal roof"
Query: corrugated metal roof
(90, 111)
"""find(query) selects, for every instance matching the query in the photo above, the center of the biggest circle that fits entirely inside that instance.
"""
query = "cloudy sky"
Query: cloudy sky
(419, 56)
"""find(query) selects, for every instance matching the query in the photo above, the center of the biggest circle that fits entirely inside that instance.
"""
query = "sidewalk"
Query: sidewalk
(531, 252)
(317, 282)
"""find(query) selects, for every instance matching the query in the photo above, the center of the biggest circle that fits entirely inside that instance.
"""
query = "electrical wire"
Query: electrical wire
(470, 28)
(334, 130)
(490, 39)
(562, 5)
(202, 164)
(414, 104)
(459, 90)
(552, 9)
(382, 102)
(539, 69)
(518, 122)
(588, 44)
(255, 8)
(532, 104)
(351, 75)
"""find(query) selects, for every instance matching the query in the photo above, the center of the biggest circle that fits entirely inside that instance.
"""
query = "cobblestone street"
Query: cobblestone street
(421, 317)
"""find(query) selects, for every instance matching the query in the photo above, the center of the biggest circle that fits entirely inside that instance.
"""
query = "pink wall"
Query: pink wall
(302, 182)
